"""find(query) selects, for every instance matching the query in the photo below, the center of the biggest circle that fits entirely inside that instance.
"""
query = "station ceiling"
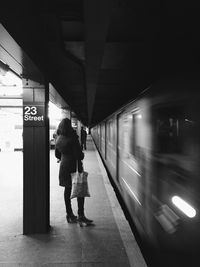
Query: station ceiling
(100, 54)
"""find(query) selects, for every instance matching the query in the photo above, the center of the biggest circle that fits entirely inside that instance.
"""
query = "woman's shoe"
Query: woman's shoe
(83, 219)
(71, 218)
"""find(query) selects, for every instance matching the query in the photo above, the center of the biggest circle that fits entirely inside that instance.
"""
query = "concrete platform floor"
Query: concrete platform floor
(109, 242)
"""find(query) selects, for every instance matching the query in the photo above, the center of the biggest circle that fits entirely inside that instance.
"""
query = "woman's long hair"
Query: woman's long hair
(65, 128)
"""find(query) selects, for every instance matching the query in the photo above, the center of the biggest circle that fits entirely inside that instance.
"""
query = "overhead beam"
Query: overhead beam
(97, 16)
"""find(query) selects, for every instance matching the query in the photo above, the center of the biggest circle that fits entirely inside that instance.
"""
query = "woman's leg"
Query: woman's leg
(67, 194)
(80, 201)
(81, 215)
(71, 218)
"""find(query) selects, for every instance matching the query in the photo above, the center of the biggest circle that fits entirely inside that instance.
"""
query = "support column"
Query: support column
(36, 157)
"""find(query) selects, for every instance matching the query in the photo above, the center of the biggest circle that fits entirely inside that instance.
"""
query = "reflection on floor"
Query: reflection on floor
(11, 193)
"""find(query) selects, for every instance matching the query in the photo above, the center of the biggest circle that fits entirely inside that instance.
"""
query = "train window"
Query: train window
(110, 132)
(127, 134)
(176, 130)
(113, 131)
(103, 130)
(132, 135)
(123, 138)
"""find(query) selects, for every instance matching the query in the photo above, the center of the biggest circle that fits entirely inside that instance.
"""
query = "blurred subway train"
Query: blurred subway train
(151, 148)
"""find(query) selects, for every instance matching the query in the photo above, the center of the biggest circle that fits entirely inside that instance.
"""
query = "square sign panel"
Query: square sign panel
(34, 115)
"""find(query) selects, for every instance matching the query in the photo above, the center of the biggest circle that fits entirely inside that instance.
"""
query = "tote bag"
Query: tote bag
(79, 185)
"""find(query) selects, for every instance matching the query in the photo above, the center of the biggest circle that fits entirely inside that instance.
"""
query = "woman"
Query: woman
(69, 152)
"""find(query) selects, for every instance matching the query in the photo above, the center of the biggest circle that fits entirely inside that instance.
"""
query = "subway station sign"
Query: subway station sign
(34, 115)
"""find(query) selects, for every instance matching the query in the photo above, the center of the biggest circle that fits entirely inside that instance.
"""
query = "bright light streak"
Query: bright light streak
(139, 116)
(10, 84)
(184, 206)
(54, 112)
(128, 186)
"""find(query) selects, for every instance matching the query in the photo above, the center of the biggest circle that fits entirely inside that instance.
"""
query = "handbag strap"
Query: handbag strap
(77, 162)
(76, 165)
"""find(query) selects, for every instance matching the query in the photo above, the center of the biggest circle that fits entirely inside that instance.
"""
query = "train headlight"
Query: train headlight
(186, 208)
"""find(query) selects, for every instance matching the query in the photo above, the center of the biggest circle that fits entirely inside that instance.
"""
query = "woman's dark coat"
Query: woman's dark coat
(71, 154)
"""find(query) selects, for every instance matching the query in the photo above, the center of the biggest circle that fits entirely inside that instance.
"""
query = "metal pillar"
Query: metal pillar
(36, 157)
